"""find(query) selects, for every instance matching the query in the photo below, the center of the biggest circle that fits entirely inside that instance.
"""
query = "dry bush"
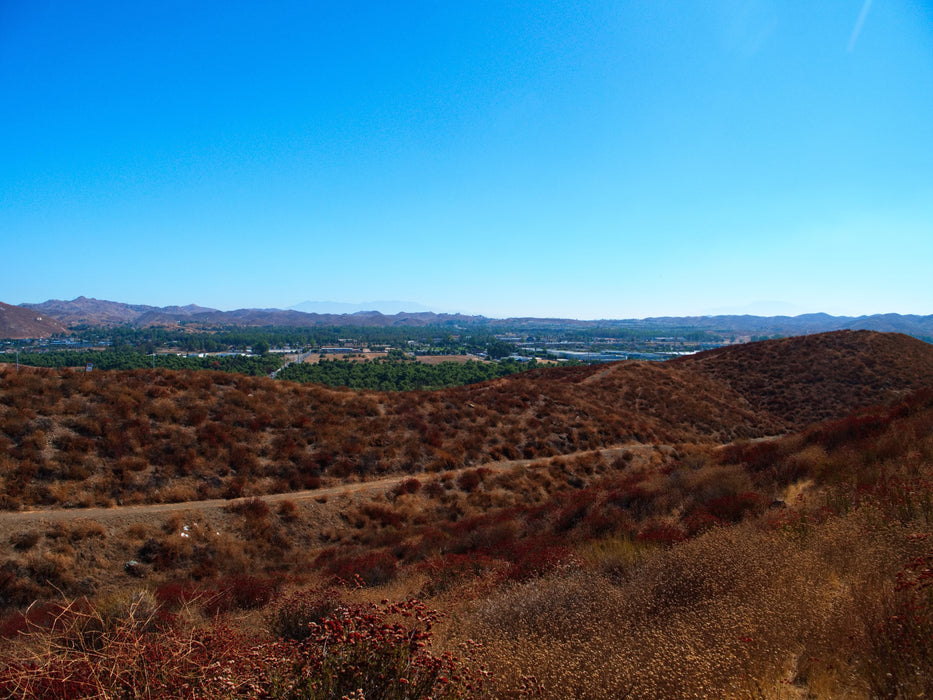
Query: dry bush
(176, 493)
(288, 511)
(736, 612)
(291, 615)
(55, 569)
(898, 633)
(614, 557)
(26, 540)
(250, 508)
(408, 486)
(76, 530)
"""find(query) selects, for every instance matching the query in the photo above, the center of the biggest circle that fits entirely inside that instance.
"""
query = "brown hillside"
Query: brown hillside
(646, 401)
(17, 322)
(797, 566)
(68, 437)
(141, 436)
(810, 378)
(648, 572)
(83, 310)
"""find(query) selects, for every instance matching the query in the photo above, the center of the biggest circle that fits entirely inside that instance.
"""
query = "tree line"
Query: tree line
(382, 375)
(400, 375)
(430, 339)
(130, 359)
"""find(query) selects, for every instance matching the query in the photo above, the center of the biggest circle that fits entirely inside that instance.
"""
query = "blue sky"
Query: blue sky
(586, 159)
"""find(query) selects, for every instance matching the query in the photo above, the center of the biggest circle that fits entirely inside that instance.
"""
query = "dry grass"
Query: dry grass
(654, 572)
(737, 612)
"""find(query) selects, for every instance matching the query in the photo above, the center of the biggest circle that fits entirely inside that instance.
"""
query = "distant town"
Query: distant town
(372, 350)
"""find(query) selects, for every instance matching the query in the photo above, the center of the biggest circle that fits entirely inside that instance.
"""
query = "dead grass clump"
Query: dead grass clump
(713, 616)
(55, 569)
(76, 531)
(250, 508)
(614, 557)
(177, 493)
(24, 541)
(288, 511)
(715, 481)
(138, 531)
(899, 634)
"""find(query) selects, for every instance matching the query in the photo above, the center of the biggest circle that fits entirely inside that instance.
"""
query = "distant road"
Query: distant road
(300, 357)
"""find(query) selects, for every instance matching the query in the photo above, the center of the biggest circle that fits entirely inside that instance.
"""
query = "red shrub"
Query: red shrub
(408, 486)
(757, 456)
(662, 534)
(240, 592)
(536, 556)
(40, 615)
(374, 568)
(470, 479)
(177, 594)
(853, 428)
(731, 508)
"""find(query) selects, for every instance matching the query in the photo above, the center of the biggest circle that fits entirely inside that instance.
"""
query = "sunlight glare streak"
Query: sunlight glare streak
(857, 29)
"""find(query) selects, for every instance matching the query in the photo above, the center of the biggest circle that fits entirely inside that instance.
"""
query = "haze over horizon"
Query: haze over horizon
(759, 309)
(503, 159)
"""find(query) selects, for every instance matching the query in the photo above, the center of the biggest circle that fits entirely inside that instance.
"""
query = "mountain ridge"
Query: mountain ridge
(95, 312)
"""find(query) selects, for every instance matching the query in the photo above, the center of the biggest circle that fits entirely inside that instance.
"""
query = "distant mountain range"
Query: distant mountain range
(95, 312)
(57, 316)
(337, 307)
(918, 326)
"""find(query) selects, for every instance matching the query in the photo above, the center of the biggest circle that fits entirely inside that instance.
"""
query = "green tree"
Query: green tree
(496, 349)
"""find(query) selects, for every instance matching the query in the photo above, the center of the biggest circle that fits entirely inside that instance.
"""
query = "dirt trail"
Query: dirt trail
(134, 512)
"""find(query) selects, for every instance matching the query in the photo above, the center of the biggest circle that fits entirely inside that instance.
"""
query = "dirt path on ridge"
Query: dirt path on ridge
(12, 519)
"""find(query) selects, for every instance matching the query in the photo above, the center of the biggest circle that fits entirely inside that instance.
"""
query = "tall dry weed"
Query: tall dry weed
(737, 612)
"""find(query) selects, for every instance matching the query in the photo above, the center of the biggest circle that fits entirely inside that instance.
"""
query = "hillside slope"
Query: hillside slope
(100, 312)
(17, 322)
(811, 378)
(143, 436)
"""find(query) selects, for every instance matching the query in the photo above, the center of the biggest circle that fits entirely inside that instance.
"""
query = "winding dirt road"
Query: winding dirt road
(10, 519)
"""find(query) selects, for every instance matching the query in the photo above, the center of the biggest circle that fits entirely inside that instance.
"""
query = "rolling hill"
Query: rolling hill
(810, 378)
(584, 530)
(19, 322)
(146, 436)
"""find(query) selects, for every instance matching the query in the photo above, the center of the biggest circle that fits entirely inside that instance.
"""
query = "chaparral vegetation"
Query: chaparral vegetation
(754, 521)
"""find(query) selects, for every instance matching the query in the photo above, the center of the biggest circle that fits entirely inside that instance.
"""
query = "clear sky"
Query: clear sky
(575, 159)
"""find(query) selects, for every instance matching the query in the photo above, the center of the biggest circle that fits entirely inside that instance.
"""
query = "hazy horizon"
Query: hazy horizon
(763, 309)
(503, 159)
